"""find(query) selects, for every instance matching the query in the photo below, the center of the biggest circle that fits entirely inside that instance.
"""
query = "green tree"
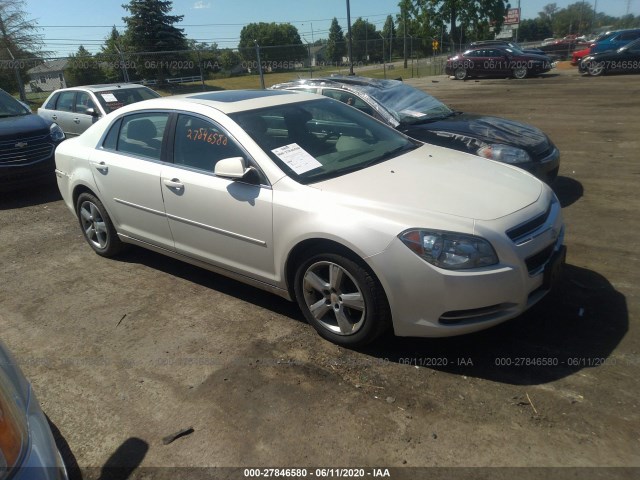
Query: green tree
(20, 39)
(83, 69)
(280, 43)
(112, 57)
(577, 18)
(229, 59)
(366, 43)
(336, 45)
(389, 33)
(470, 19)
(534, 29)
(150, 28)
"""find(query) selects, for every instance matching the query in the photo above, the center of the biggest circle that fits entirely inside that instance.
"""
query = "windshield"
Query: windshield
(113, 99)
(321, 139)
(10, 107)
(407, 104)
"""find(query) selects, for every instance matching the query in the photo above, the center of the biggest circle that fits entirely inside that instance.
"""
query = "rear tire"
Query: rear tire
(343, 301)
(97, 227)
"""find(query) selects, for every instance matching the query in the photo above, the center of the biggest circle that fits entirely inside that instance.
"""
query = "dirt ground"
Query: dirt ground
(123, 353)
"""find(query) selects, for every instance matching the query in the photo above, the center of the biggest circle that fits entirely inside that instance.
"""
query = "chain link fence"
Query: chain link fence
(185, 71)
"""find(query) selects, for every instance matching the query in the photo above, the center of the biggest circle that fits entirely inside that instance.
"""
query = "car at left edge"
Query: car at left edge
(27, 144)
(315, 201)
(27, 447)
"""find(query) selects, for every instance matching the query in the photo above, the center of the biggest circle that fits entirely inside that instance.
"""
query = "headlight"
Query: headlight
(453, 251)
(13, 428)
(504, 153)
(56, 132)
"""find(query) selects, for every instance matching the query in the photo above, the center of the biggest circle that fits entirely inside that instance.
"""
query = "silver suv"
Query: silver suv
(76, 109)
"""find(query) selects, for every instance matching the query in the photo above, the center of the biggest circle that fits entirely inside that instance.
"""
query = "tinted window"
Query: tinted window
(10, 107)
(200, 143)
(629, 36)
(141, 134)
(51, 104)
(83, 101)
(113, 99)
(349, 99)
(111, 140)
(320, 139)
(66, 101)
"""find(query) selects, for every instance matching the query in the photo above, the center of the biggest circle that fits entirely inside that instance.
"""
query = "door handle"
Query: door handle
(54, 117)
(173, 184)
(100, 166)
(76, 120)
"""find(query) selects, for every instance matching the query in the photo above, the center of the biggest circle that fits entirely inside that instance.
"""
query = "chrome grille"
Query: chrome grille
(529, 227)
(36, 149)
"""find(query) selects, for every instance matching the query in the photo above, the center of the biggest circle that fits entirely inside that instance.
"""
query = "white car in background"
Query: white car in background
(313, 200)
(76, 109)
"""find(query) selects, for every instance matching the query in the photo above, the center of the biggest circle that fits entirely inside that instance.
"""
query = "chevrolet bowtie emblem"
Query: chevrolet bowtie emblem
(21, 144)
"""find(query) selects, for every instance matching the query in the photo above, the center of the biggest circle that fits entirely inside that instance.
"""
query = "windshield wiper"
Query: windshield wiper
(427, 119)
(394, 152)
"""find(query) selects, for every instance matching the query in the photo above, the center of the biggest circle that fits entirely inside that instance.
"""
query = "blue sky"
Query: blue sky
(66, 24)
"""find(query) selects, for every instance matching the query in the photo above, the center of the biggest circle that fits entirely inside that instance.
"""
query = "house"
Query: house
(47, 76)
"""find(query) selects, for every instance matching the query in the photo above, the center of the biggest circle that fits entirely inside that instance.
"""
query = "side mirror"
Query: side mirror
(233, 168)
(91, 111)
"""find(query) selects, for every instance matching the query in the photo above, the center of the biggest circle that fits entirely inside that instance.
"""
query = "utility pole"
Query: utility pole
(349, 45)
(404, 28)
(259, 65)
(384, 65)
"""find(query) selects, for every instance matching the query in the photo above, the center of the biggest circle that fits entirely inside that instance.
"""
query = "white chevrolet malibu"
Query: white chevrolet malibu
(313, 200)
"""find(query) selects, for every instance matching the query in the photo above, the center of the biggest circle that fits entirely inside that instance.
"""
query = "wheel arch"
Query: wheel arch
(324, 245)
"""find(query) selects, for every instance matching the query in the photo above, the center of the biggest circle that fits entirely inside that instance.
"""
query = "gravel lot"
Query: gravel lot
(124, 352)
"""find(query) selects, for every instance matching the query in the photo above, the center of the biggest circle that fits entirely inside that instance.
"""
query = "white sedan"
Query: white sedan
(315, 201)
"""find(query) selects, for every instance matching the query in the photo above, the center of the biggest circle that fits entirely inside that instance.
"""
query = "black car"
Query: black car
(424, 118)
(27, 144)
(624, 60)
(496, 60)
(505, 43)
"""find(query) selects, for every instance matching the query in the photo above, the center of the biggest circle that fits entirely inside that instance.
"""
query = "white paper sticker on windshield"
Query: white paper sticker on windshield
(296, 158)
(109, 97)
(412, 113)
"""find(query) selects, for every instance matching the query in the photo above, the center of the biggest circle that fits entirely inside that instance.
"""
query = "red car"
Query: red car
(578, 55)
(496, 60)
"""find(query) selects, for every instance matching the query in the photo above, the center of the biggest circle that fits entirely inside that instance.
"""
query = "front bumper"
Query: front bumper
(16, 177)
(427, 301)
(42, 460)
(546, 167)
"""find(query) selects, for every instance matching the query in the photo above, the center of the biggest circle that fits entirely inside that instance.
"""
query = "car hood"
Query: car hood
(484, 128)
(436, 179)
(24, 126)
(606, 55)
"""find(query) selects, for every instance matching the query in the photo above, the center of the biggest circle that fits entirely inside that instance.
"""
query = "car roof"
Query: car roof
(226, 101)
(103, 87)
(344, 82)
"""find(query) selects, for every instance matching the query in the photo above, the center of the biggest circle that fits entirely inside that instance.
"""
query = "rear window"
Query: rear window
(112, 100)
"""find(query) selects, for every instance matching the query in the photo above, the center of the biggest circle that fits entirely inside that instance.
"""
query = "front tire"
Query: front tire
(595, 69)
(96, 225)
(460, 73)
(343, 301)
(519, 73)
